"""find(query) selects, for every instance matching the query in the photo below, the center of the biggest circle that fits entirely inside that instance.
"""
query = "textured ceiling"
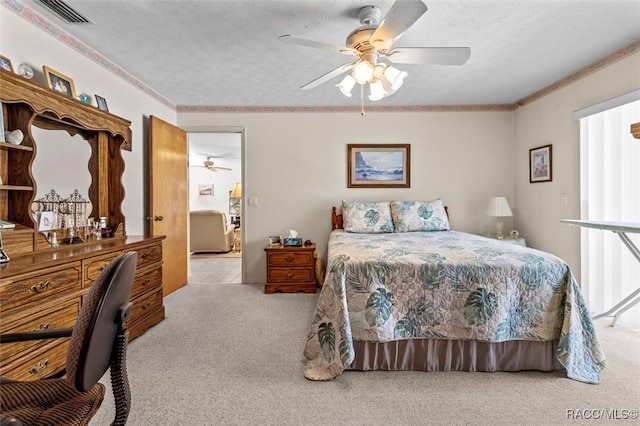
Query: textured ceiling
(226, 53)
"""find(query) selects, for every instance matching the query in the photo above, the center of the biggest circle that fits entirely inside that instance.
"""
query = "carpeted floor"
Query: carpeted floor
(231, 355)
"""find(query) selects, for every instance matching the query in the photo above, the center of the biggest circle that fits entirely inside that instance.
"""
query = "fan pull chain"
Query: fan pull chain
(362, 100)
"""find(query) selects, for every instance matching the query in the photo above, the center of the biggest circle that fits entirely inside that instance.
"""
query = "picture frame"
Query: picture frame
(275, 240)
(47, 221)
(59, 82)
(540, 164)
(5, 63)
(379, 166)
(102, 103)
(205, 190)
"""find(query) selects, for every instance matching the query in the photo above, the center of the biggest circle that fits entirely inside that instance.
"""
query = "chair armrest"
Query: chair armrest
(35, 335)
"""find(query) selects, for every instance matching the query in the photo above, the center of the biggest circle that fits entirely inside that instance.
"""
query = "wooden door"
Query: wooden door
(169, 199)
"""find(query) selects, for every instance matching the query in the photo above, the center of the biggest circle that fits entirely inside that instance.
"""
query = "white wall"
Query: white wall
(22, 41)
(295, 164)
(538, 209)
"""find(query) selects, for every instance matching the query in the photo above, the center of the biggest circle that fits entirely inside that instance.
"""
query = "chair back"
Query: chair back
(104, 310)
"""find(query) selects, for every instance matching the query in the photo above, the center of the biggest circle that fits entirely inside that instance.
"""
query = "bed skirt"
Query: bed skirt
(455, 355)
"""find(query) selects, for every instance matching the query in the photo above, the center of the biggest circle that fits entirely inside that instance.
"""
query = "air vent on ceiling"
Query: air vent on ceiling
(65, 12)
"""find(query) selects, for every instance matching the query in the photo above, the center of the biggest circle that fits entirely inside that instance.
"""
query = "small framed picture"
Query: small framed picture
(47, 221)
(102, 103)
(540, 166)
(205, 190)
(5, 63)
(275, 240)
(59, 82)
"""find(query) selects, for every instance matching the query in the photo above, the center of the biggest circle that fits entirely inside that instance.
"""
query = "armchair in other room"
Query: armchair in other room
(210, 232)
(98, 343)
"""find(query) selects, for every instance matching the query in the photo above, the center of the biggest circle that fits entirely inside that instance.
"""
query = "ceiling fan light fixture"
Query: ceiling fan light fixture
(376, 90)
(363, 72)
(395, 77)
(346, 85)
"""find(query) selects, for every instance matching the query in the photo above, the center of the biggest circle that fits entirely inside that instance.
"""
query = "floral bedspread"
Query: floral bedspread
(446, 285)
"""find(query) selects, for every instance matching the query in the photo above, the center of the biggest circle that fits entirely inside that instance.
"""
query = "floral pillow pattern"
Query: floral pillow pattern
(366, 218)
(414, 216)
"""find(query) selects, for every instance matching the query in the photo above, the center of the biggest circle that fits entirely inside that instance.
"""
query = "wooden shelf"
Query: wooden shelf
(16, 188)
(6, 145)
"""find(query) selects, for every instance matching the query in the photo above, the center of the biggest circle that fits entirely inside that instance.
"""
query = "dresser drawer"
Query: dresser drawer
(26, 289)
(146, 280)
(39, 363)
(93, 267)
(148, 255)
(62, 314)
(290, 258)
(145, 304)
(285, 275)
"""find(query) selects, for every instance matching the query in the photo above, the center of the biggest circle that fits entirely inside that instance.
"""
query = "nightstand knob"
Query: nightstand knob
(289, 259)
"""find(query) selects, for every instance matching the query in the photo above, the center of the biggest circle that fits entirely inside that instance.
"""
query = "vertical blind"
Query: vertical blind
(610, 191)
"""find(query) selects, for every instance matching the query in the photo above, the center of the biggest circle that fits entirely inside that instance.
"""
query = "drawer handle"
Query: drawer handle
(42, 326)
(290, 275)
(145, 282)
(145, 306)
(289, 259)
(145, 255)
(40, 287)
(39, 366)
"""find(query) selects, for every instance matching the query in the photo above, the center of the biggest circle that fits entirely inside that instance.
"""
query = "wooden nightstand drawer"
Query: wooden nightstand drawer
(37, 287)
(284, 275)
(290, 258)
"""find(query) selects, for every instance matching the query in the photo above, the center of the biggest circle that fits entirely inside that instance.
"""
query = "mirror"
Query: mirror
(61, 164)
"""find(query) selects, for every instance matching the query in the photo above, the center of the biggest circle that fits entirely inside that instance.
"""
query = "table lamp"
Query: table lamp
(498, 207)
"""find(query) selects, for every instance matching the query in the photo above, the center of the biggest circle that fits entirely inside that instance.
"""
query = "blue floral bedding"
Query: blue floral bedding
(446, 285)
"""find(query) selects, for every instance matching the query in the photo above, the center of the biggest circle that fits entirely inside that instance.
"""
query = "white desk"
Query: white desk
(621, 229)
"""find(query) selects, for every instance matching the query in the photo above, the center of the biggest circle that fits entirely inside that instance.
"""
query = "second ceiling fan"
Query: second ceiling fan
(374, 40)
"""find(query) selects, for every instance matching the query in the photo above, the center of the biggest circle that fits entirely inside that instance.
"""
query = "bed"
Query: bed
(404, 292)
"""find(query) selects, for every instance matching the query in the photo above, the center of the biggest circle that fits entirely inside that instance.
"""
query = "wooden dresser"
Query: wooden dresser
(45, 291)
(290, 269)
(42, 286)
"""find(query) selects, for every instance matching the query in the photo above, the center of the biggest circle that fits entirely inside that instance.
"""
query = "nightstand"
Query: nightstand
(519, 241)
(290, 269)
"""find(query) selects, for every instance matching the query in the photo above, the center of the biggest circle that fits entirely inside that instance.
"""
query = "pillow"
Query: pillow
(413, 216)
(366, 218)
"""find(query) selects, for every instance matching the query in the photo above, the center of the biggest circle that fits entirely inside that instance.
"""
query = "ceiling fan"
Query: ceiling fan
(373, 41)
(209, 165)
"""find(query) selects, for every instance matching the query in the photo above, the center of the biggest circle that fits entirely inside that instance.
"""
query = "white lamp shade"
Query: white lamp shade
(377, 91)
(346, 85)
(498, 206)
(362, 72)
(395, 77)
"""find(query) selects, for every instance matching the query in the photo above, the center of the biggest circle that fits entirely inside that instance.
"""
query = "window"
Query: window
(610, 191)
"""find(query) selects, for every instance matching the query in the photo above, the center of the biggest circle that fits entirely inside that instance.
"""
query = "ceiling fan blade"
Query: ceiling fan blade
(402, 15)
(222, 168)
(291, 39)
(429, 55)
(328, 76)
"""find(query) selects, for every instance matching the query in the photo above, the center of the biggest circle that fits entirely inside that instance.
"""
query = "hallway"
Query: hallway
(205, 269)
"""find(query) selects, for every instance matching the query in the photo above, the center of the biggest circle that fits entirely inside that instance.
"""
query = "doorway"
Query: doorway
(215, 183)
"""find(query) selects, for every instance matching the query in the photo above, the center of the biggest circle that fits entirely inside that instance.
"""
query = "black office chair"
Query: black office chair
(98, 342)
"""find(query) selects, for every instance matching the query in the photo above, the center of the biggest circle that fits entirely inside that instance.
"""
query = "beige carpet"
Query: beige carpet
(221, 255)
(232, 355)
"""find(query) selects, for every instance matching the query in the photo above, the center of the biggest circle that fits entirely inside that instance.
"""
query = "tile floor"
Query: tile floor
(210, 270)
